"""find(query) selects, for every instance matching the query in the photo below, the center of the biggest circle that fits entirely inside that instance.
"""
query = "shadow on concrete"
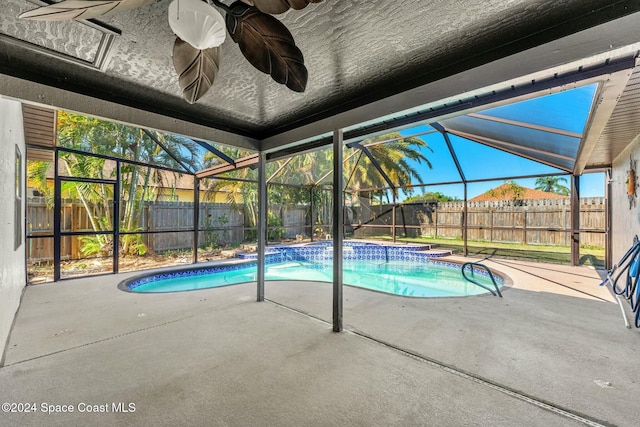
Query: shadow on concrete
(559, 348)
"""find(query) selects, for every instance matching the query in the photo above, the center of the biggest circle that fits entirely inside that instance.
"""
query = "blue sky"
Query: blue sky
(567, 110)
(591, 185)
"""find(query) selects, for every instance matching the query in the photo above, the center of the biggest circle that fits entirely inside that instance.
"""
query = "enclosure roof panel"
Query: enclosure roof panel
(564, 111)
(554, 149)
(482, 161)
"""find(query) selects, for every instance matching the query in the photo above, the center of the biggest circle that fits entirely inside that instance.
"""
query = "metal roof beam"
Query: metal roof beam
(470, 181)
(440, 129)
(286, 162)
(164, 147)
(117, 159)
(214, 150)
(323, 177)
(375, 164)
(353, 171)
(355, 135)
(532, 89)
(497, 145)
(486, 140)
(530, 70)
(248, 161)
(526, 125)
(385, 141)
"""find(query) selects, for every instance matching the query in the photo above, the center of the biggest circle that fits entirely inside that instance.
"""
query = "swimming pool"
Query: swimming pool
(414, 278)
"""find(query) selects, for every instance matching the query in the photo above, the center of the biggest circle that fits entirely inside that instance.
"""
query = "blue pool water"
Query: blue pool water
(426, 279)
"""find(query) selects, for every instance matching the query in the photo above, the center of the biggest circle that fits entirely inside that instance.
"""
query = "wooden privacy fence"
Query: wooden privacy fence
(170, 225)
(295, 220)
(73, 217)
(539, 221)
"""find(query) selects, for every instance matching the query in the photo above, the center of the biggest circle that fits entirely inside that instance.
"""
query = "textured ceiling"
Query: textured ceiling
(373, 65)
(356, 51)
(70, 38)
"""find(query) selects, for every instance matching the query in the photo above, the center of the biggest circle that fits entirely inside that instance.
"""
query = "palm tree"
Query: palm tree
(397, 157)
(240, 192)
(37, 175)
(551, 184)
(138, 183)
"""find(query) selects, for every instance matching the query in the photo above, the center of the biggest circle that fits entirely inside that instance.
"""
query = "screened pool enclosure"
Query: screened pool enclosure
(108, 198)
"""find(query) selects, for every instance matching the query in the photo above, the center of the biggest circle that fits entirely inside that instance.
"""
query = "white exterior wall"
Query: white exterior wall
(12, 261)
(625, 222)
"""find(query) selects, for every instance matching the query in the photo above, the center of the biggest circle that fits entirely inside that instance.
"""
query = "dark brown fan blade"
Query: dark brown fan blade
(268, 45)
(197, 69)
(279, 6)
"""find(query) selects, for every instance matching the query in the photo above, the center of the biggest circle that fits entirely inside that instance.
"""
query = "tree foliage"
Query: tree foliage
(396, 156)
(430, 196)
(552, 184)
(510, 190)
(137, 183)
(397, 159)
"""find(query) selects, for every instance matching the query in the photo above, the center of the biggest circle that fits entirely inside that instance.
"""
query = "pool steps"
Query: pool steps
(322, 251)
(437, 253)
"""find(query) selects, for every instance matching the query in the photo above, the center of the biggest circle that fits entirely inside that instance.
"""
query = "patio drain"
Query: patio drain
(460, 373)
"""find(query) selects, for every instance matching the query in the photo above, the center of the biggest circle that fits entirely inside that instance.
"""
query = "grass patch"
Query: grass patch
(539, 253)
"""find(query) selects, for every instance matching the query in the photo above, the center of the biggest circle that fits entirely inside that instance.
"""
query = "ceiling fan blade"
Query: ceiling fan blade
(197, 69)
(268, 45)
(82, 9)
(275, 7)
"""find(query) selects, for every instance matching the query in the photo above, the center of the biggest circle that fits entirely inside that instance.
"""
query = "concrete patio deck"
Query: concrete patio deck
(216, 357)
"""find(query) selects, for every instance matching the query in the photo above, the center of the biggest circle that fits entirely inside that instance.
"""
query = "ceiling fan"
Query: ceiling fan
(200, 29)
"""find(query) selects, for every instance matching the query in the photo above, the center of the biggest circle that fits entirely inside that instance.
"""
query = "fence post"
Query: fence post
(75, 220)
(150, 237)
(491, 224)
(524, 225)
(435, 222)
(312, 208)
(564, 226)
(393, 218)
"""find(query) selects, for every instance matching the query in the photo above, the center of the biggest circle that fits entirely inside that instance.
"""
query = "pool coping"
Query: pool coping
(123, 285)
